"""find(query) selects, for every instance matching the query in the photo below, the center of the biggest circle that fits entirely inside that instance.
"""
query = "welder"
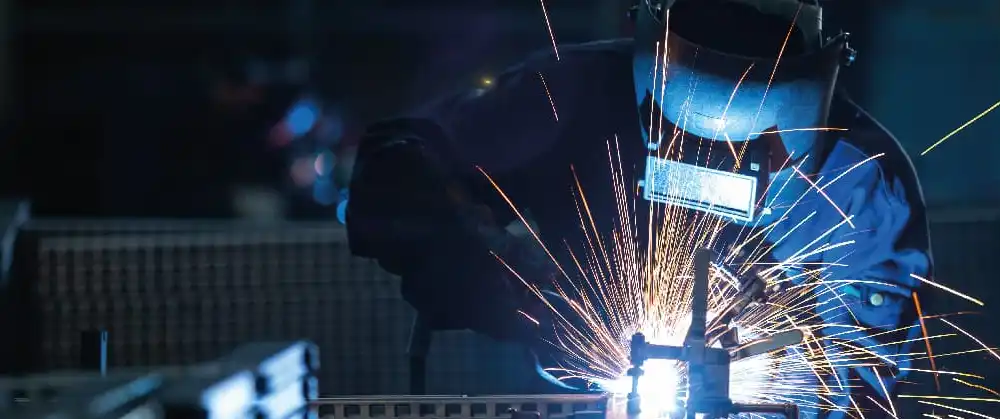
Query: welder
(421, 205)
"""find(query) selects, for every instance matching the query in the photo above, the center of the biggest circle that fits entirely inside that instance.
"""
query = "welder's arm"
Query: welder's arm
(869, 261)
(877, 312)
(420, 205)
(404, 213)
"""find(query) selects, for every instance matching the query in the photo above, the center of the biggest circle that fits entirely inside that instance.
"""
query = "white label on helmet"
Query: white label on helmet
(699, 188)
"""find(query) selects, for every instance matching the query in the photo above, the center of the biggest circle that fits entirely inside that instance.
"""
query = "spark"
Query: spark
(824, 195)
(959, 129)
(523, 220)
(549, 94)
(958, 313)
(729, 142)
(977, 386)
(774, 71)
(725, 111)
(968, 412)
(529, 317)
(876, 403)
(548, 25)
(970, 336)
(968, 399)
(956, 293)
(940, 372)
(927, 340)
(780, 131)
(851, 169)
(885, 391)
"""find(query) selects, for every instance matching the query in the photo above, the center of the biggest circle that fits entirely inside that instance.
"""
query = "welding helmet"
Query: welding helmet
(731, 94)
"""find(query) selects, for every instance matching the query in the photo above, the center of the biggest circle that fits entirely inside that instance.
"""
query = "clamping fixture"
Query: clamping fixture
(708, 366)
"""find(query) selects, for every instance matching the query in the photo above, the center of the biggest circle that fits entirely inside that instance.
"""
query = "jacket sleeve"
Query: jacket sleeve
(420, 206)
(866, 298)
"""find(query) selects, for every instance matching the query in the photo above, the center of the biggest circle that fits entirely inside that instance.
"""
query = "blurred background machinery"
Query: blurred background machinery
(175, 292)
(185, 161)
(259, 380)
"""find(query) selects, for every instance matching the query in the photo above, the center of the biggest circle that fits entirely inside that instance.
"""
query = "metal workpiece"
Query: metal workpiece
(258, 381)
(221, 395)
(96, 397)
(276, 363)
(561, 406)
(788, 410)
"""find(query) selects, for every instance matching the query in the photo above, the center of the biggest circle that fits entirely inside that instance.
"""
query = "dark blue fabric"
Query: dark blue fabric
(874, 258)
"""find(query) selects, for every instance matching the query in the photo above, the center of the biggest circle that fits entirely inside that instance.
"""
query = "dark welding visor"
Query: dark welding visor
(727, 70)
(747, 85)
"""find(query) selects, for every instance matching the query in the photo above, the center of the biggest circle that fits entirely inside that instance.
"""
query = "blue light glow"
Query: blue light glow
(342, 206)
(342, 212)
(323, 192)
(302, 117)
(325, 162)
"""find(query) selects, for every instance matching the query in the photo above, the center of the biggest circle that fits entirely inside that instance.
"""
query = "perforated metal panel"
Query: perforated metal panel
(173, 293)
(459, 407)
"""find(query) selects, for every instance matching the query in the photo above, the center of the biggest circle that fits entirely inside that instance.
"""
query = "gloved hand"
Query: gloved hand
(547, 354)
(410, 211)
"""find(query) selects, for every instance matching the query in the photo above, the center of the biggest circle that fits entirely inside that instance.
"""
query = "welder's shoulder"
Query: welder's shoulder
(522, 112)
(872, 139)
(581, 64)
(567, 74)
(581, 80)
(601, 53)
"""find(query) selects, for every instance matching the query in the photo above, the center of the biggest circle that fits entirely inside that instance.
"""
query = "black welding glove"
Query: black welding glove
(409, 210)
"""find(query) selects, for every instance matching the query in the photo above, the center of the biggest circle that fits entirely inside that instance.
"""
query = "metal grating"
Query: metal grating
(459, 407)
(176, 293)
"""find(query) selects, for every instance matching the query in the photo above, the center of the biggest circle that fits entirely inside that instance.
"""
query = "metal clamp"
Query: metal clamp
(708, 367)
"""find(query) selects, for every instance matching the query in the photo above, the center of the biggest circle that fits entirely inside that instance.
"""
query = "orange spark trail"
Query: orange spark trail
(975, 339)
(524, 221)
(548, 25)
(549, 94)
(824, 195)
(726, 110)
(977, 386)
(774, 71)
(927, 341)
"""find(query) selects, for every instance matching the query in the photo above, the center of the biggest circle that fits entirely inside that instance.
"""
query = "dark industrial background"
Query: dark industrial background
(116, 113)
